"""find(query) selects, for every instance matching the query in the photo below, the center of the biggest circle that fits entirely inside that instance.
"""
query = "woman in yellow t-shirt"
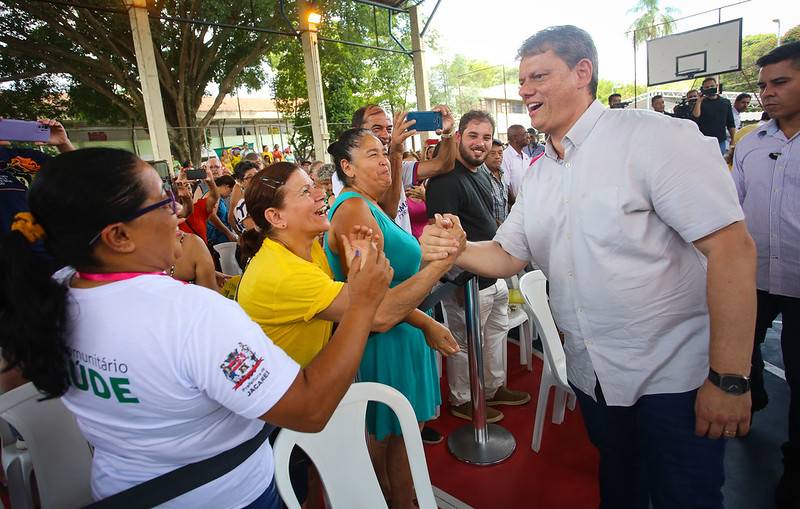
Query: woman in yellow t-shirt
(288, 286)
(226, 161)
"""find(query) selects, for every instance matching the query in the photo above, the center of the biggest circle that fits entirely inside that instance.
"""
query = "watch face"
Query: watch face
(734, 385)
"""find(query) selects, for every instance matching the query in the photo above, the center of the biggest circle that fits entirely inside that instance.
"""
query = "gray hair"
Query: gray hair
(570, 43)
(326, 171)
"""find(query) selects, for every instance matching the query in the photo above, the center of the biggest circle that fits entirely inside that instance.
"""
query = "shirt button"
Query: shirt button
(588, 342)
(571, 275)
(568, 165)
(580, 310)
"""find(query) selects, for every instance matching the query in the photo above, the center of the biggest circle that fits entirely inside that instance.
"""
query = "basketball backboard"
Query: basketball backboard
(706, 51)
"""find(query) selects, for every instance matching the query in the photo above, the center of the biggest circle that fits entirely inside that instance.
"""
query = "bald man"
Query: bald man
(515, 160)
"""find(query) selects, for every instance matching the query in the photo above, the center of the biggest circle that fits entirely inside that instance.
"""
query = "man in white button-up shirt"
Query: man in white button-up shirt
(515, 160)
(652, 277)
(766, 170)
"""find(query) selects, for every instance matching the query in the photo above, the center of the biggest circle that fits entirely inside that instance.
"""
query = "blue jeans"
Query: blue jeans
(267, 500)
(650, 454)
(723, 146)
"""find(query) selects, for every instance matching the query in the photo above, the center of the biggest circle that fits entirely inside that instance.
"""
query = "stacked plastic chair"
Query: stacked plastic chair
(533, 286)
(56, 451)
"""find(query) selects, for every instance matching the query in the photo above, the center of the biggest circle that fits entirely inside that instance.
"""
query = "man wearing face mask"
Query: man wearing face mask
(713, 114)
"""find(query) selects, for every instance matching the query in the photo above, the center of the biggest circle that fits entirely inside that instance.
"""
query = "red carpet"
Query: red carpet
(563, 475)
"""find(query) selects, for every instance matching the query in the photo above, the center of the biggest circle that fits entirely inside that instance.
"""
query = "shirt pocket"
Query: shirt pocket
(790, 196)
(600, 217)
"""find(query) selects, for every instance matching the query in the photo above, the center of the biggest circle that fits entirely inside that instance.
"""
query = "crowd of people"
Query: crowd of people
(716, 116)
(665, 271)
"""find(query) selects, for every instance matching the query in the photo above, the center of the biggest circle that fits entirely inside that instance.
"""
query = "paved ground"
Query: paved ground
(753, 464)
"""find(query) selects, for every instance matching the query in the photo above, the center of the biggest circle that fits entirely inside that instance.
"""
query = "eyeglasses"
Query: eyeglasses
(169, 200)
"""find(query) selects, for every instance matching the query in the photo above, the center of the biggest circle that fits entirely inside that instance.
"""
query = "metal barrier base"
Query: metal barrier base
(498, 446)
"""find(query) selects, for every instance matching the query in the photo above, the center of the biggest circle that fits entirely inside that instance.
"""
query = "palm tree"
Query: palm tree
(653, 21)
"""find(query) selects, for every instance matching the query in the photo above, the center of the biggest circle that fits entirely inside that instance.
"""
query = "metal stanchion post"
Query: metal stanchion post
(478, 443)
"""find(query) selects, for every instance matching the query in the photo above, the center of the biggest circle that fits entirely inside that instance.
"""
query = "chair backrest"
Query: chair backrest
(340, 453)
(533, 286)
(60, 454)
(227, 258)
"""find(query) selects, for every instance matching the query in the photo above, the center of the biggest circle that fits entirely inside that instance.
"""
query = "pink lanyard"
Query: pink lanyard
(115, 276)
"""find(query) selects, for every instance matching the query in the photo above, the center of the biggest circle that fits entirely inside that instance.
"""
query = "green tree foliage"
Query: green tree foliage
(458, 82)
(352, 76)
(36, 96)
(652, 21)
(58, 60)
(606, 87)
(753, 48)
(791, 35)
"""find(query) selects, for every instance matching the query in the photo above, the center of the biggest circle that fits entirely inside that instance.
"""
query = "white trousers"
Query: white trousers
(494, 326)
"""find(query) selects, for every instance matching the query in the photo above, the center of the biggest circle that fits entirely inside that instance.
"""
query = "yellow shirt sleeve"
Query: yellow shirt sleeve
(307, 293)
(282, 288)
(283, 293)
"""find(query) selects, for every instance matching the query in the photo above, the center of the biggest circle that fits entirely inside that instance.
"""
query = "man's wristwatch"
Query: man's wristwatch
(732, 384)
(446, 136)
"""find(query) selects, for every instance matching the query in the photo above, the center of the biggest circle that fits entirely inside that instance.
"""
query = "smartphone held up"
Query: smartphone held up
(196, 174)
(425, 120)
(23, 130)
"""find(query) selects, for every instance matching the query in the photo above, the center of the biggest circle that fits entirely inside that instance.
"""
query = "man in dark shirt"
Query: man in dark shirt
(467, 193)
(713, 114)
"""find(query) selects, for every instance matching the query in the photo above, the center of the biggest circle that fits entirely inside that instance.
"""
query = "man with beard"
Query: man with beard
(467, 193)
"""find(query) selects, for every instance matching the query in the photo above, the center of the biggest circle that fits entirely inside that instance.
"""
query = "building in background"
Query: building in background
(253, 121)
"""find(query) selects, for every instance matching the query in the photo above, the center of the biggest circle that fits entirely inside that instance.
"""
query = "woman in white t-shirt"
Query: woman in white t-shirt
(159, 374)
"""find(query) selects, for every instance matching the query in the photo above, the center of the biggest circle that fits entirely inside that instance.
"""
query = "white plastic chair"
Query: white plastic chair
(61, 456)
(227, 258)
(519, 318)
(533, 286)
(18, 467)
(340, 453)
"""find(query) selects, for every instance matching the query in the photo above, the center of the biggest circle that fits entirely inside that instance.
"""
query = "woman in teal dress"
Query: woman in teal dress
(399, 357)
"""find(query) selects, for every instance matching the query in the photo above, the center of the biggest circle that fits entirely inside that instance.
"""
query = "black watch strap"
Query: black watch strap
(730, 383)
